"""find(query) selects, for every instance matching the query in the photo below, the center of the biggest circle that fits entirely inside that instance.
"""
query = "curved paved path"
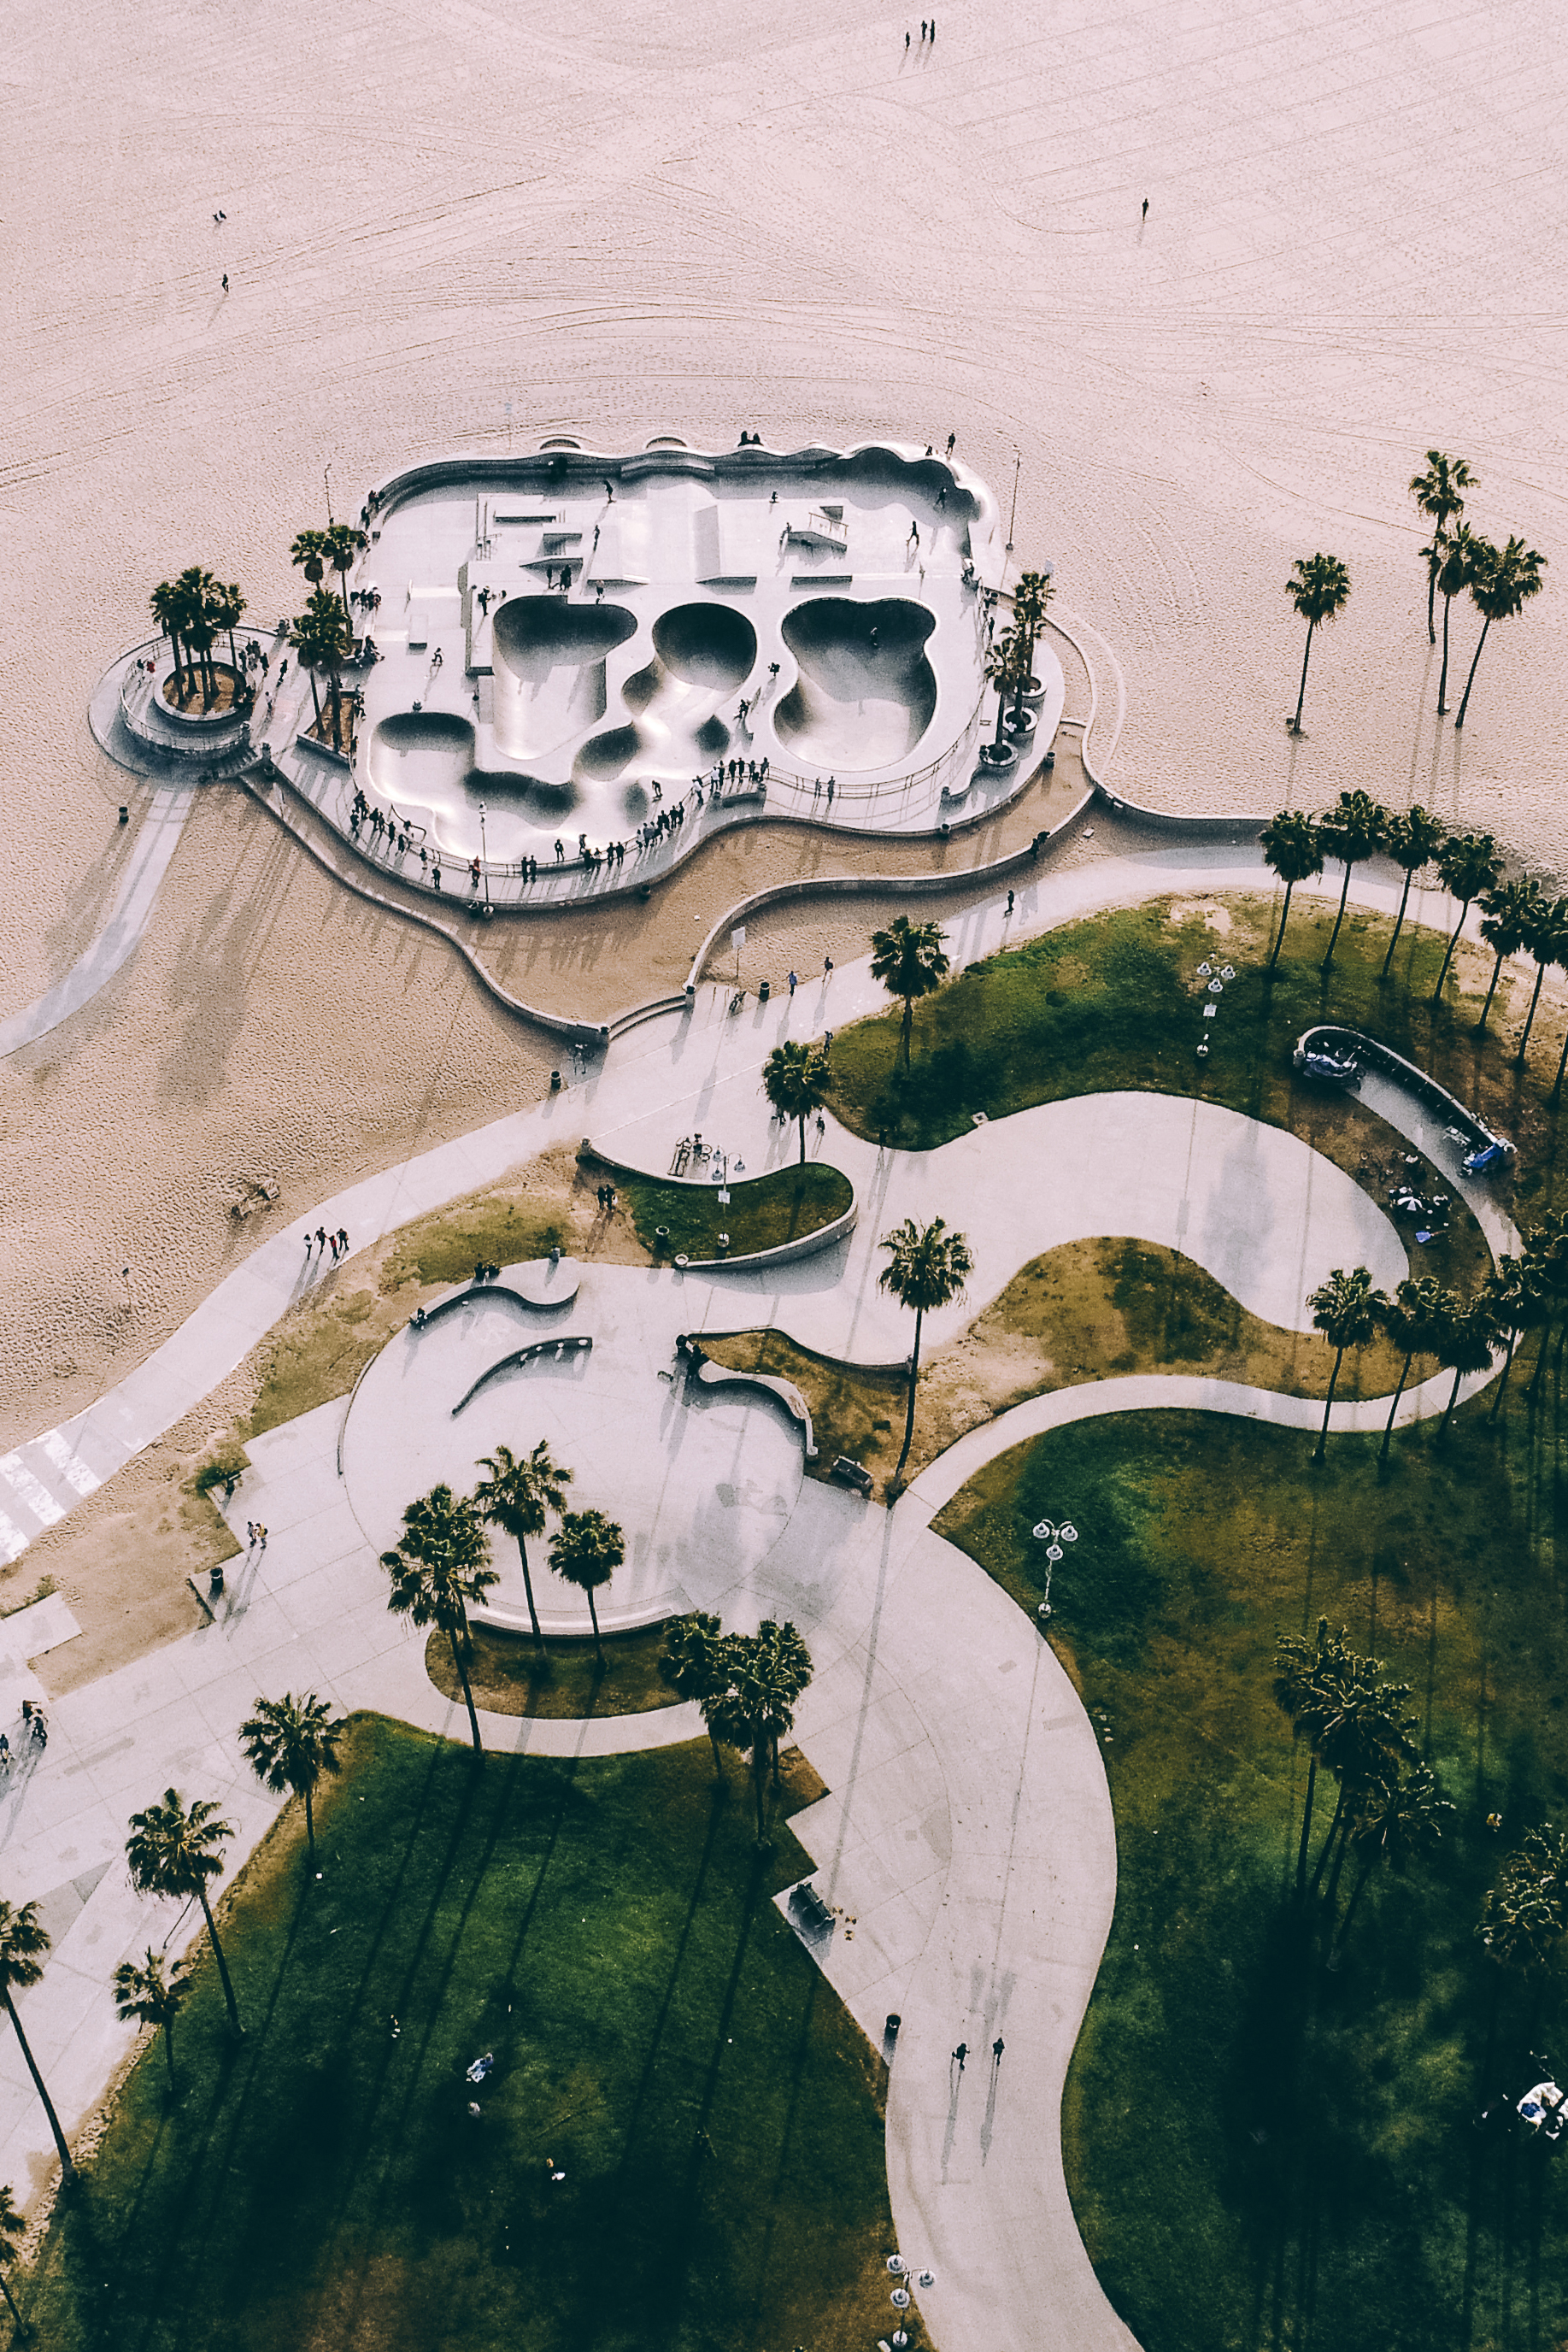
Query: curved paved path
(157, 838)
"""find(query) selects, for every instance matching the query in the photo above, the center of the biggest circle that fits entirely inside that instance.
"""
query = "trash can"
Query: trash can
(555, 1082)
(765, 990)
(124, 813)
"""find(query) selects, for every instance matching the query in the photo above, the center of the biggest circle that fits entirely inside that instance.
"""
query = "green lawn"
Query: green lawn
(1261, 2153)
(606, 1930)
(1116, 1002)
(507, 1677)
(763, 1210)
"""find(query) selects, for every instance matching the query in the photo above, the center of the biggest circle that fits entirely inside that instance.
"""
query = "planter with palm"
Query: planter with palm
(1439, 493)
(516, 1495)
(1502, 582)
(1354, 830)
(796, 1081)
(1292, 851)
(1347, 1310)
(927, 1268)
(290, 1744)
(440, 1568)
(1509, 912)
(24, 1941)
(320, 638)
(1318, 587)
(911, 962)
(198, 591)
(1032, 607)
(1467, 863)
(1413, 1320)
(146, 1993)
(177, 1850)
(586, 1550)
(1413, 839)
(1007, 668)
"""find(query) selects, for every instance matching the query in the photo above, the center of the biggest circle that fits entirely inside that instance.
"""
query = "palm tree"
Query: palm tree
(289, 1743)
(22, 1943)
(1519, 1302)
(197, 589)
(176, 1850)
(1501, 581)
(342, 544)
(1546, 1257)
(1467, 863)
(1007, 668)
(767, 1672)
(321, 638)
(1365, 1739)
(168, 606)
(225, 609)
(1524, 1916)
(13, 2230)
(1469, 1336)
(1347, 1310)
(439, 1567)
(927, 1268)
(515, 1497)
(1413, 1320)
(308, 555)
(1457, 557)
(796, 1081)
(1509, 913)
(696, 1664)
(1413, 840)
(1547, 940)
(911, 962)
(1293, 852)
(1031, 604)
(1317, 587)
(1308, 1676)
(1439, 493)
(145, 1991)
(1353, 830)
(587, 1549)
(1397, 1817)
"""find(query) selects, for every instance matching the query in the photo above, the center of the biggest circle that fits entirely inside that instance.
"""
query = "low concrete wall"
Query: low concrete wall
(825, 1237)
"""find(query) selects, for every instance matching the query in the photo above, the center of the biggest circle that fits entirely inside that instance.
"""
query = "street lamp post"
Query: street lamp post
(904, 2275)
(1052, 1536)
(327, 485)
(1018, 461)
(483, 855)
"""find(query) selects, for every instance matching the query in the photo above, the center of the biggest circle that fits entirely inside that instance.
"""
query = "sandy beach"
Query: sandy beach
(468, 229)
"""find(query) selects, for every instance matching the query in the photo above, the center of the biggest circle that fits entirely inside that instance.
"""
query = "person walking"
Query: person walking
(343, 1237)
(827, 967)
(959, 2056)
(1146, 208)
(225, 281)
(906, 52)
(952, 437)
(1009, 906)
(794, 981)
(998, 2046)
(321, 1239)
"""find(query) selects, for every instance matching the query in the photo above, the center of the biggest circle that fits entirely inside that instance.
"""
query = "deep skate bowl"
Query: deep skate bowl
(705, 644)
(856, 703)
(422, 756)
(548, 662)
(702, 654)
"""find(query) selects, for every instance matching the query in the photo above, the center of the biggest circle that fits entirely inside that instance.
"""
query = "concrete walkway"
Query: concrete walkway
(157, 838)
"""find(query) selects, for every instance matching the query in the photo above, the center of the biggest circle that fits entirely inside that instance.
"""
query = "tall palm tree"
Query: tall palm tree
(587, 1549)
(1509, 913)
(911, 962)
(1524, 1914)
(174, 1849)
(1365, 1739)
(1354, 830)
(24, 1941)
(1439, 493)
(1519, 1303)
(1413, 840)
(342, 544)
(1547, 940)
(225, 609)
(1347, 1310)
(1467, 863)
(1032, 606)
(1317, 587)
(1398, 1816)
(197, 587)
(927, 1268)
(290, 1743)
(439, 1567)
(1501, 581)
(168, 605)
(1007, 670)
(322, 640)
(796, 1081)
(146, 1992)
(1293, 852)
(1546, 1259)
(696, 1664)
(308, 555)
(1307, 1679)
(1413, 1319)
(768, 1670)
(514, 1497)
(1457, 556)
(13, 2230)
(1469, 1338)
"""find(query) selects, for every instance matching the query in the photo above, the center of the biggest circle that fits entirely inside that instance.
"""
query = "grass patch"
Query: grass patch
(606, 1929)
(1115, 1002)
(1260, 2152)
(507, 1677)
(447, 1246)
(764, 1211)
(854, 1411)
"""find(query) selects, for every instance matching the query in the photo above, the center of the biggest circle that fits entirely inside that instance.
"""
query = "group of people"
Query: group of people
(254, 1535)
(605, 1196)
(322, 1240)
(33, 1725)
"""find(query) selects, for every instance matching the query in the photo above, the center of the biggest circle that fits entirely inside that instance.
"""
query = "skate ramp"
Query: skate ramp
(701, 654)
(547, 661)
(865, 692)
(422, 756)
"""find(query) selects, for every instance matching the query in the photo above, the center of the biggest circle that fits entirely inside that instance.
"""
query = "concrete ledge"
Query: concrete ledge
(809, 1245)
(701, 1367)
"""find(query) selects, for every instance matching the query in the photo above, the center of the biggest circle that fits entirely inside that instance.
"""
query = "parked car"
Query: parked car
(1338, 1067)
(1486, 1157)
